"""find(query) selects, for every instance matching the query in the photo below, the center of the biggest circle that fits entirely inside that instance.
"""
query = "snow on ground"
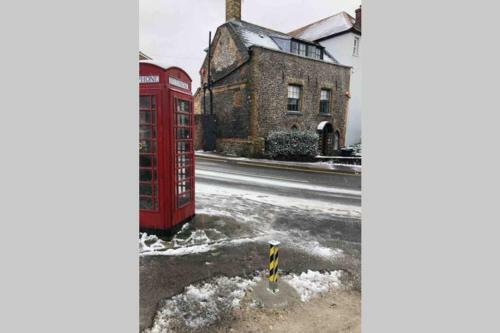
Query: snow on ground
(198, 242)
(259, 210)
(354, 167)
(150, 243)
(276, 200)
(312, 283)
(201, 305)
(254, 214)
(315, 248)
(256, 211)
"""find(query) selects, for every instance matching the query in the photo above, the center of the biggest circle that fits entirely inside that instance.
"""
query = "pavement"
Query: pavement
(240, 207)
(319, 167)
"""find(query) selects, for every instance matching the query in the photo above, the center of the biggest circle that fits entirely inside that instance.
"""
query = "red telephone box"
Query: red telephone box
(166, 155)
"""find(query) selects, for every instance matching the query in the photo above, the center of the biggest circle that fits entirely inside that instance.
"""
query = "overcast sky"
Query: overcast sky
(176, 31)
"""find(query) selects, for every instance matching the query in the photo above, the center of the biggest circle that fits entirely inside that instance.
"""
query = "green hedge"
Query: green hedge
(292, 145)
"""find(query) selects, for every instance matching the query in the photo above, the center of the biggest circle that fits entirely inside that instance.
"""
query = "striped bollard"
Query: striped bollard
(273, 266)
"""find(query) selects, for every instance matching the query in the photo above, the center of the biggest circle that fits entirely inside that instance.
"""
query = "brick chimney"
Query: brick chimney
(357, 22)
(233, 10)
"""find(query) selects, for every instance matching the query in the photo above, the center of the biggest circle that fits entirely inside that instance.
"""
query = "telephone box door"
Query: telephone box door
(184, 155)
(149, 163)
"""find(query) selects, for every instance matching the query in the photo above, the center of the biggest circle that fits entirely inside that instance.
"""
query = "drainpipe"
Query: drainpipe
(209, 72)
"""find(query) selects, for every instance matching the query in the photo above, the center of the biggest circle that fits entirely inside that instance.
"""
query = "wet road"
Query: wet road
(329, 187)
(316, 216)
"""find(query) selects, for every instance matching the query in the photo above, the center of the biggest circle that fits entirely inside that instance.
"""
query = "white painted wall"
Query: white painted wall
(341, 47)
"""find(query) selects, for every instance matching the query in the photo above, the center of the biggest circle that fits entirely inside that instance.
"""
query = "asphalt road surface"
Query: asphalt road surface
(240, 207)
(326, 186)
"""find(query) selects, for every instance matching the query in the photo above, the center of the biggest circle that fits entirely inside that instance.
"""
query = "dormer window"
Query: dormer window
(302, 49)
(306, 50)
(313, 52)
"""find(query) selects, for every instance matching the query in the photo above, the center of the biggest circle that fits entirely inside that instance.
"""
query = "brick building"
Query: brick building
(264, 80)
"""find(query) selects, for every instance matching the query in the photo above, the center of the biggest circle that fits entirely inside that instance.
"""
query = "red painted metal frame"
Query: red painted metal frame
(168, 214)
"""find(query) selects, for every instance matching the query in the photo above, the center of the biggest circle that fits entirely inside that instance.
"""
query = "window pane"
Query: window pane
(145, 102)
(182, 106)
(293, 91)
(356, 46)
(183, 186)
(146, 189)
(325, 95)
(147, 160)
(146, 117)
(324, 107)
(147, 146)
(184, 173)
(182, 119)
(183, 160)
(147, 132)
(313, 51)
(146, 175)
(293, 104)
(183, 147)
(183, 133)
(183, 199)
(302, 49)
(146, 203)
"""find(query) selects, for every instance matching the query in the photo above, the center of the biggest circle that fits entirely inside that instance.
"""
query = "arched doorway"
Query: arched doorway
(325, 132)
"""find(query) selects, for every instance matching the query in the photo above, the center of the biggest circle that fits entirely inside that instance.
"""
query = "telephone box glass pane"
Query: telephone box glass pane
(183, 133)
(147, 117)
(183, 160)
(147, 132)
(146, 160)
(146, 203)
(182, 106)
(148, 180)
(146, 189)
(184, 199)
(183, 119)
(148, 146)
(184, 149)
(147, 175)
(145, 102)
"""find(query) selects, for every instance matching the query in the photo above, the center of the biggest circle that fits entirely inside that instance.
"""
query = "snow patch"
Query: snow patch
(329, 26)
(312, 283)
(150, 243)
(253, 38)
(201, 305)
(197, 242)
(315, 248)
(267, 198)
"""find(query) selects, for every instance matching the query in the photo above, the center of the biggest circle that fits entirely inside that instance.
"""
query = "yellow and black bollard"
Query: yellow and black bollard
(273, 266)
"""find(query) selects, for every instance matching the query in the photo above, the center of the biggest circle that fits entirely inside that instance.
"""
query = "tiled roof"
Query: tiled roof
(254, 35)
(326, 27)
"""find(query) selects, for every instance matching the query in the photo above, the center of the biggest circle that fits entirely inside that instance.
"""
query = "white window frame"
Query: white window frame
(355, 51)
(303, 49)
(294, 92)
(322, 98)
